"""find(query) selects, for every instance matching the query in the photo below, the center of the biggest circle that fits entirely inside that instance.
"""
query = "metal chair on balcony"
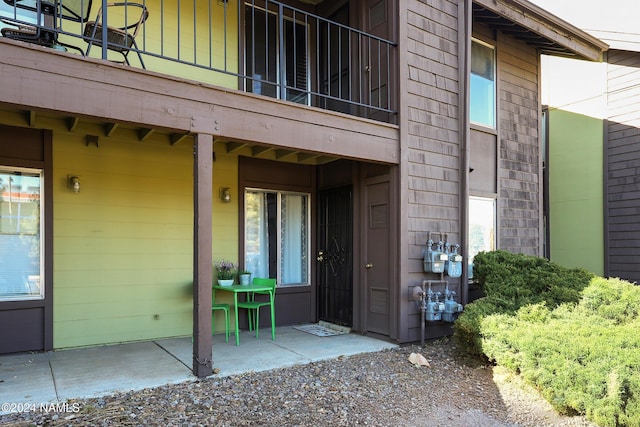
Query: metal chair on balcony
(44, 29)
(121, 37)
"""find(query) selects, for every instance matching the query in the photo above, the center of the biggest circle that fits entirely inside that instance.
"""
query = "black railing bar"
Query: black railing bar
(360, 71)
(195, 32)
(340, 61)
(266, 49)
(317, 67)
(379, 67)
(144, 31)
(350, 67)
(105, 24)
(388, 77)
(225, 12)
(329, 54)
(179, 29)
(282, 75)
(307, 44)
(253, 41)
(224, 29)
(295, 52)
(14, 17)
(369, 71)
(162, 26)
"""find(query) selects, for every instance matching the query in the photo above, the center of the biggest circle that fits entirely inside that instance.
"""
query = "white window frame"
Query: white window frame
(480, 216)
(307, 226)
(40, 279)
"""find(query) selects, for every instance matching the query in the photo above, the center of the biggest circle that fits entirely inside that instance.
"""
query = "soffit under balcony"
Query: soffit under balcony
(537, 27)
(41, 84)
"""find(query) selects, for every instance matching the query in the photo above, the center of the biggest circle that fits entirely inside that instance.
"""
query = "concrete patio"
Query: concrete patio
(57, 376)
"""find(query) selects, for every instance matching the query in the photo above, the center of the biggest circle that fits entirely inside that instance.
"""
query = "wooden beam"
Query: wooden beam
(234, 146)
(281, 154)
(303, 157)
(259, 149)
(137, 98)
(144, 133)
(32, 118)
(72, 123)
(202, 254)
(325, 159)
(91, 139)
(177, 137)
(110, 128)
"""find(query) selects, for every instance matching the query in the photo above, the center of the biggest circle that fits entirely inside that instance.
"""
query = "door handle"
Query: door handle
(368, 265)
(320, 257)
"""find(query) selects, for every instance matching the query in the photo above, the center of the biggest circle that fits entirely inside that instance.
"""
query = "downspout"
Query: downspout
(464, 71)
(605, 170)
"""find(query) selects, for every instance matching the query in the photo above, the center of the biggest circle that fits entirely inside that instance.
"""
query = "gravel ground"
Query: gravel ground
(375, 389)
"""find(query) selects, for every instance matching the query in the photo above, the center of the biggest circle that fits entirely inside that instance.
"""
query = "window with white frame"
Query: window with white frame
(482, 108)
(277, 236)
(20, 234)
(482, 225)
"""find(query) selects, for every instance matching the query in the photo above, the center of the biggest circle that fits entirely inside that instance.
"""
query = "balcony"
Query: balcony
(263, 47)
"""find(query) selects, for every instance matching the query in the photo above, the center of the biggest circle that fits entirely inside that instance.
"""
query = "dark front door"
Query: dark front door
(377, 256)
(335, 256)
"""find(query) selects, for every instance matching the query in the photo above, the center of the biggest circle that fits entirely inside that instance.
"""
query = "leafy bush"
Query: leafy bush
(511, 281)
(584, 357)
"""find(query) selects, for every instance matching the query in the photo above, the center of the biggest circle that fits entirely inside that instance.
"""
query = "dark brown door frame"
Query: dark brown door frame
(13, 154)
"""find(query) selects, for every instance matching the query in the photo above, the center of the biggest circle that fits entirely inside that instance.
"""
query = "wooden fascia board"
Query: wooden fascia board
(35, 78)
(545, 24)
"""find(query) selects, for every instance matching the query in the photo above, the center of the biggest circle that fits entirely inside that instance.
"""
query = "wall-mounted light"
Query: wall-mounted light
(73, 182)
(225, 195)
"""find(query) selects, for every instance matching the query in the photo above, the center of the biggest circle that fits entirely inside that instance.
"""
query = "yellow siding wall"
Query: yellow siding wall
(123, 246)
(171, 31)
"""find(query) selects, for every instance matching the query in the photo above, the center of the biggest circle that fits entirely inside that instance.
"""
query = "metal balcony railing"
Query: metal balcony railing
(264, 47)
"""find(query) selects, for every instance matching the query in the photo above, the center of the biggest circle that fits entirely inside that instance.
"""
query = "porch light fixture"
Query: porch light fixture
(225, 195)
(73, 182)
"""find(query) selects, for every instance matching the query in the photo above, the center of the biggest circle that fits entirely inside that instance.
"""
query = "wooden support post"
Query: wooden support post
(202, 255)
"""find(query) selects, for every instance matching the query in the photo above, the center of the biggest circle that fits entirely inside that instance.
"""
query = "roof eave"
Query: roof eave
(548, 26)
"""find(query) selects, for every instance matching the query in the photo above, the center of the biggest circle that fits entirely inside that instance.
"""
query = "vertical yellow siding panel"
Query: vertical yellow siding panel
(123, 245)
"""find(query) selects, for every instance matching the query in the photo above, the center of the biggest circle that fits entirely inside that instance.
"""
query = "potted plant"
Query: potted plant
(225, 272)
(244, 277)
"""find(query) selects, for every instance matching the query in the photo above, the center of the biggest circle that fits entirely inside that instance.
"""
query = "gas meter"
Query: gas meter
(454, 265)
(434, 259)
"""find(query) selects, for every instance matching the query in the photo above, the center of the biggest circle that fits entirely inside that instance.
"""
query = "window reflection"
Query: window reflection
(20, 235)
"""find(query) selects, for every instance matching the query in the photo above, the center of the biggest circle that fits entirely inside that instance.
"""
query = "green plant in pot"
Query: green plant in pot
(244, 277)
(225, 272)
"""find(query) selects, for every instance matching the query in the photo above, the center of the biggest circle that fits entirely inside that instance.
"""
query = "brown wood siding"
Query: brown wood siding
(623, 157)
(433, 140)
(519, 176)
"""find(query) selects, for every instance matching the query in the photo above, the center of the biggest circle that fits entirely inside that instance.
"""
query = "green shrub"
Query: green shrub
(612, 299)
(584, 358)
(511, 281)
